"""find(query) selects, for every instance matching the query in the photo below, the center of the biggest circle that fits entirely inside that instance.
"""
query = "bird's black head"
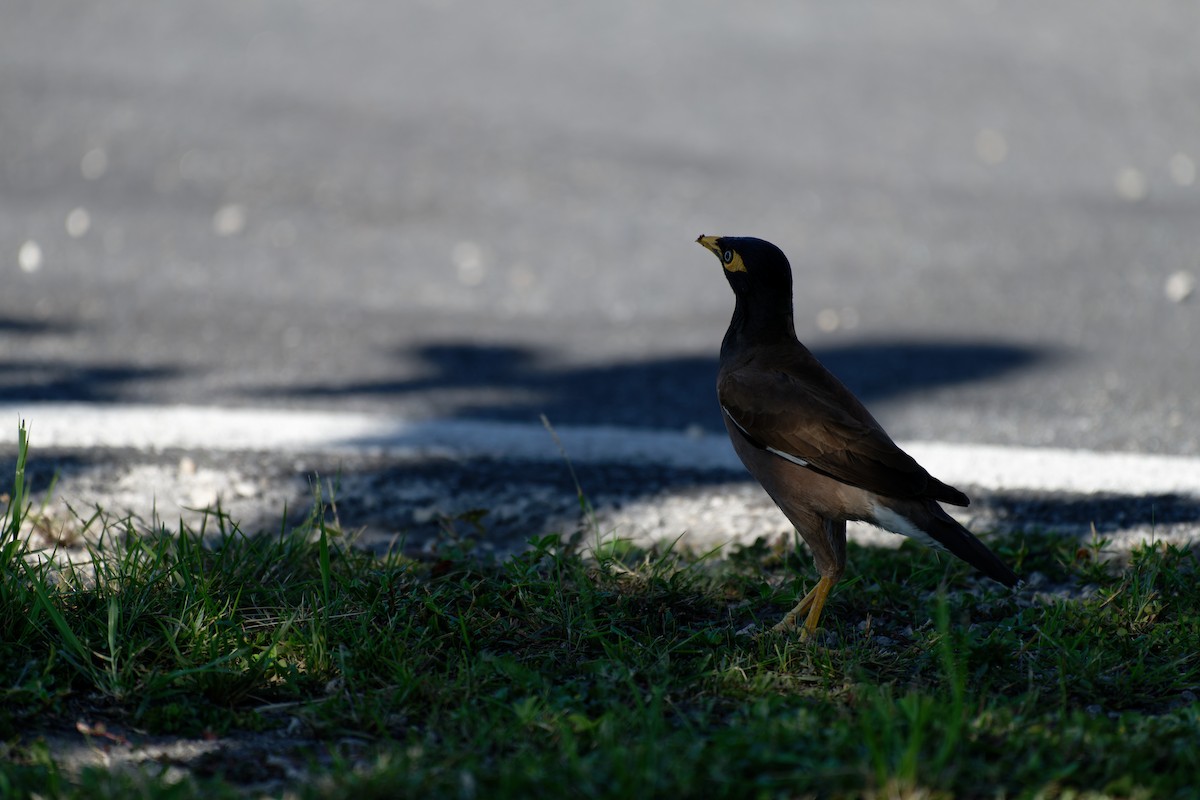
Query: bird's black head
(761, 279)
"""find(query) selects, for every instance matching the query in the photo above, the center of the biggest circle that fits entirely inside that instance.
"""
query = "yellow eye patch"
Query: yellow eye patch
(729, 257)
(732, 261)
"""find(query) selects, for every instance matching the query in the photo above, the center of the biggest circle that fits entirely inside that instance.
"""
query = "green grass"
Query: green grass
(561, 675)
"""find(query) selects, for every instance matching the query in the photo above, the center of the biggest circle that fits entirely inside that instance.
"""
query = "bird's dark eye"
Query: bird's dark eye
(728, 256)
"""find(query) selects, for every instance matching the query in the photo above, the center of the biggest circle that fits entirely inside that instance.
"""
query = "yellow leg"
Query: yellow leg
(812, 604)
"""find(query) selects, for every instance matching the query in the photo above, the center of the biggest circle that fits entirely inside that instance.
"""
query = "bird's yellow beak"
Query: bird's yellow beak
(729, 258)
(710, 242)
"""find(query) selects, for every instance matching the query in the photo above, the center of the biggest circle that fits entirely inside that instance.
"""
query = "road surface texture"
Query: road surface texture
(441, 212)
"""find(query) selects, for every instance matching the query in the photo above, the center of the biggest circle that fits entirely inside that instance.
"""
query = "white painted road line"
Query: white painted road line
(157, 428)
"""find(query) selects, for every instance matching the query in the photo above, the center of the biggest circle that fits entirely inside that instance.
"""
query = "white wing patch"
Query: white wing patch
(888, 519)
(797, 460)
(788, 457)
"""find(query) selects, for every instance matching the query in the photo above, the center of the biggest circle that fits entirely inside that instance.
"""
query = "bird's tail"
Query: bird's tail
(944, 532)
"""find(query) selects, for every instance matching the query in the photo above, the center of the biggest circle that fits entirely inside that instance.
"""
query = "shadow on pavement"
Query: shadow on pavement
(63, 380)
(425, 504)
(510, 383)
(31, 327)
(418, 500)
(73, 381)
(1108, 512)
(422, 506)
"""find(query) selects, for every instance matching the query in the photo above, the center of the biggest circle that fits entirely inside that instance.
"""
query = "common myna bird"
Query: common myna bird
(808, 440)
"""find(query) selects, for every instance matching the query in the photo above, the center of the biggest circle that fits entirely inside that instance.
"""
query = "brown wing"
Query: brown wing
(802, 413)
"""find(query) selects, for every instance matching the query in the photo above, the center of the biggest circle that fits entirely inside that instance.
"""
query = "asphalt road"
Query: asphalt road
(443, 209)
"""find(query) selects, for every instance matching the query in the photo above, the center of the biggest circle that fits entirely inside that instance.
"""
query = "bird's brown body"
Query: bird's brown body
(810, 442)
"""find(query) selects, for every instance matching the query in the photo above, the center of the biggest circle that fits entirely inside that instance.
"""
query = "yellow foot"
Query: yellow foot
(812, 604)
